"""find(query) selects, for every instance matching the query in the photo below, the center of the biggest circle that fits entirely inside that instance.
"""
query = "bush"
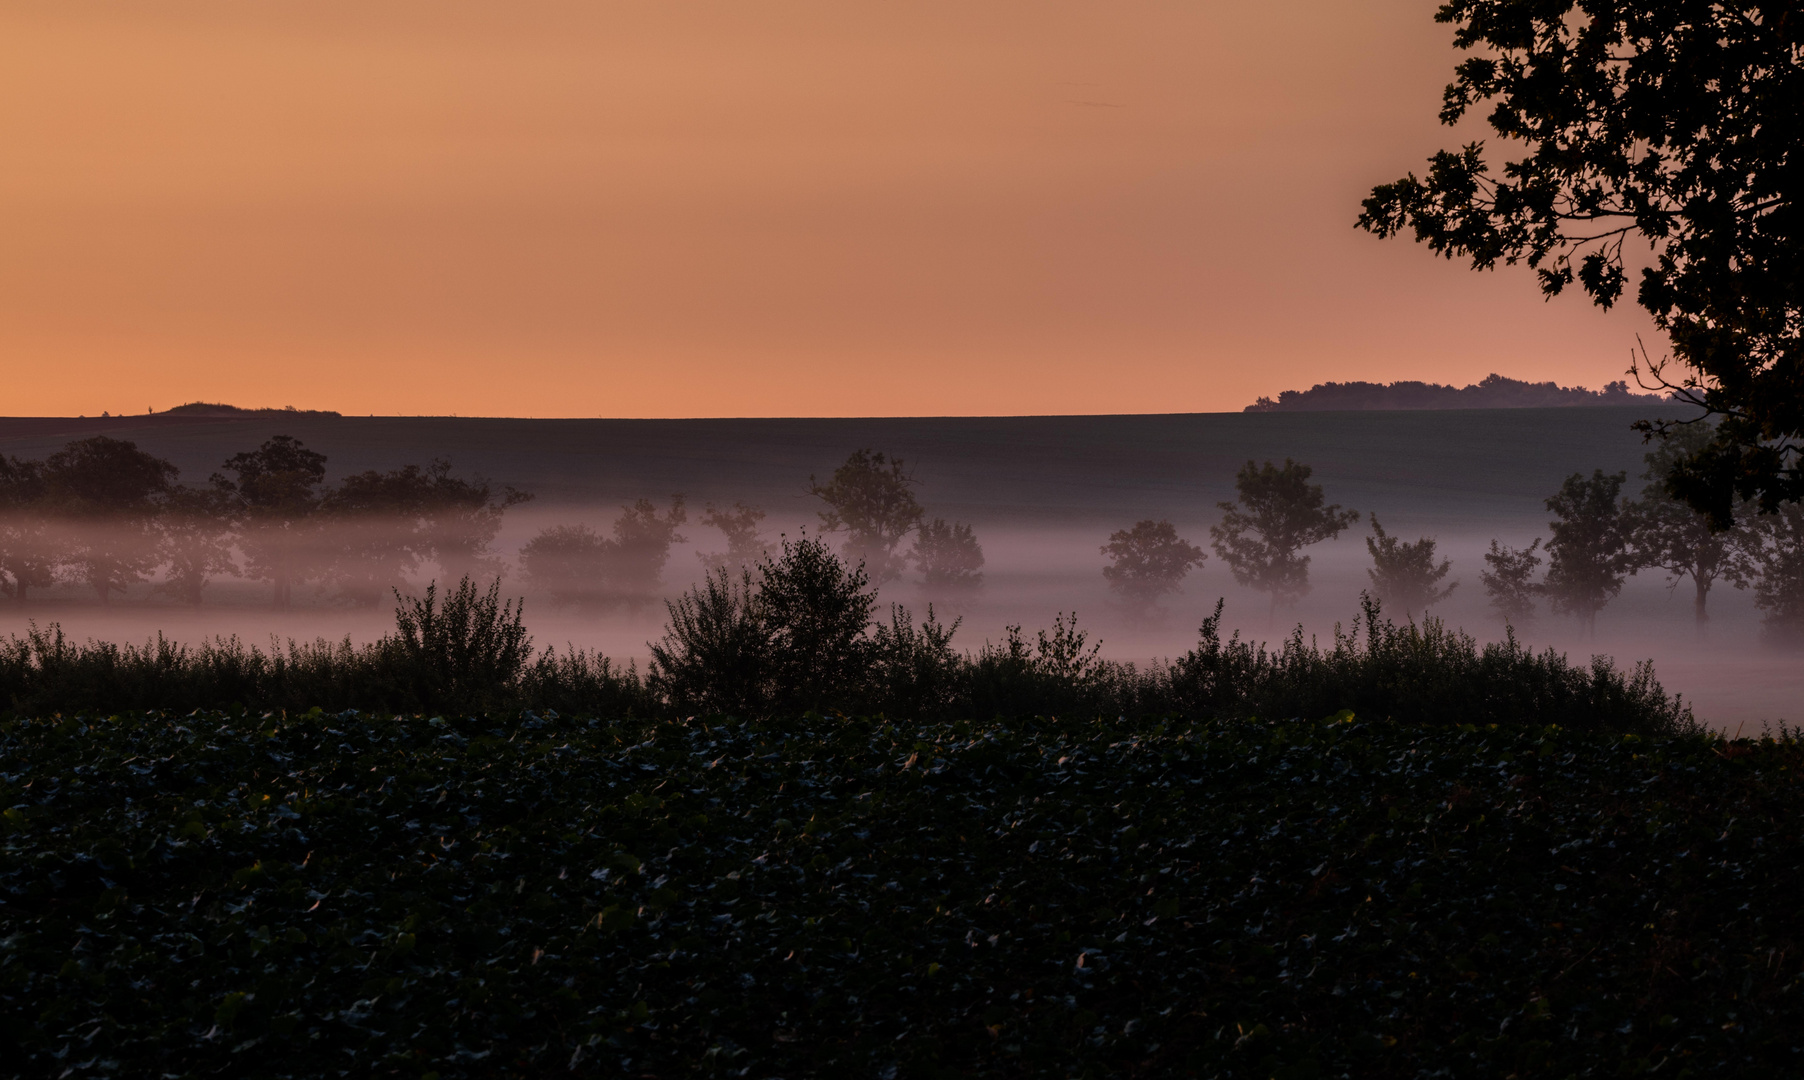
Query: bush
(465, 655)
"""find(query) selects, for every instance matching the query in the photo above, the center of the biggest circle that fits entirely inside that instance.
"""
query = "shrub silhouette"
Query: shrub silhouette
(465, 653)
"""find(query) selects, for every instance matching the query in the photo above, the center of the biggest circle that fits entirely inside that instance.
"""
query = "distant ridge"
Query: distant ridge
(1495, 392)
(207, 408)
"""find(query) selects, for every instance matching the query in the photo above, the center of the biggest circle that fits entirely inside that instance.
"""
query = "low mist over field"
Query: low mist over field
(1041, 496)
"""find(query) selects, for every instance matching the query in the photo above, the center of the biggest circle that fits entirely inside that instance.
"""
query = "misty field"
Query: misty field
(1041, 492)
(353, 894)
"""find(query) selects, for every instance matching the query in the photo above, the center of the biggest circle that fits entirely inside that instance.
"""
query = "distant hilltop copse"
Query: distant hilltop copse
(1495, 392)
(208, 408)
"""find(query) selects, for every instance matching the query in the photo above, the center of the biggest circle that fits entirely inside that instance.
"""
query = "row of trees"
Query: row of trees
(1598, 539)
(105, 514)
(1261, 537)
(868, 502)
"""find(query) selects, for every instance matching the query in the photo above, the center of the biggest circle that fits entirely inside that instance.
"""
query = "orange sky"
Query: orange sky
(755, 207)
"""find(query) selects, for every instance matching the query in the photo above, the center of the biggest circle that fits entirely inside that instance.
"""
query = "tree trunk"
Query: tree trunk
(1703, 592)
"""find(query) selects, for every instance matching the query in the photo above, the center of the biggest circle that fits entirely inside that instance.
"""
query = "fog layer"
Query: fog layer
(1042, 496)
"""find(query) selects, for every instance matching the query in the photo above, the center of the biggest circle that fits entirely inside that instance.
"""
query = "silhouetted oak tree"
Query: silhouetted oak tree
(1589, 555)
(868, 499)
(1676, 122)
(1279, 513)
(1148, 561)
(373, 534)
(1405, 574)
(460, 520)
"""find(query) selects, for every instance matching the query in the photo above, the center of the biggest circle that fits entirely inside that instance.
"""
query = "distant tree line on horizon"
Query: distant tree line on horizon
(1492, 392)
(105, 514)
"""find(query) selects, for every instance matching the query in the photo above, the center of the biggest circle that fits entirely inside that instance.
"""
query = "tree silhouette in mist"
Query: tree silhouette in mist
(1509, 580)
(1148, 561)
(739, 524)
(102, 493)
(868, 499)
(274, 497)
(1279, 513)
(949, 557)
(27, 551)
(1673, 536)
(1405, 574)
(1588, 557)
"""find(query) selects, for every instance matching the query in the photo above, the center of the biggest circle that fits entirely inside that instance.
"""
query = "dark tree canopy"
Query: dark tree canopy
(949, 556)
(1405, 573)
(868, 499)
(1676, 123)
(1670, 535)
(274, 494)
(105, 492)
(1148, 561)
(1588, 556)
(1279, 513)
(1509, 580)
(196, 528)
(27, 548)
(1774, 548)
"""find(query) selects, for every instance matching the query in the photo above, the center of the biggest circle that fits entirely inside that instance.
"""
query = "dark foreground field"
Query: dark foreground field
(345, 894)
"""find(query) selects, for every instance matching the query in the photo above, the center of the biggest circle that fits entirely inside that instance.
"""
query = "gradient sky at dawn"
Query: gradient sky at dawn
(775, 207)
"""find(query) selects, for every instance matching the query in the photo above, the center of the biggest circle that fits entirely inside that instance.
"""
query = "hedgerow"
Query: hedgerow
(259, 894)
(803, 637)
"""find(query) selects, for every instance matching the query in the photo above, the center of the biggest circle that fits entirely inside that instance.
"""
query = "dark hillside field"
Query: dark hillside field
(220, 895)
(1467, 469)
